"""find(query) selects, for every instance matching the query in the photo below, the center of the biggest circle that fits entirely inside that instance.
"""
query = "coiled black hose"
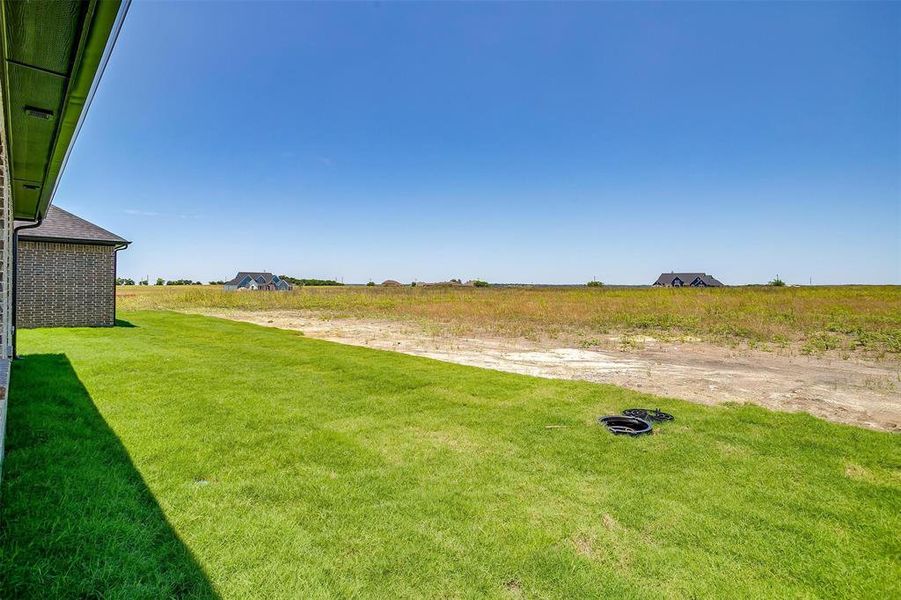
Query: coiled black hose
(625, 425)
(649, 414)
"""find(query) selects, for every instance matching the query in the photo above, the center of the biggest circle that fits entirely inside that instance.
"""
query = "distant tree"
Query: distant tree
(777, 282)
(595, 283)
(123, 281)
(302, 282)
(456, 281)
(479, 283)
(370, 284)
(160, 281)
(183, 282)
(143, 282)
(217, 283)
(413, 284)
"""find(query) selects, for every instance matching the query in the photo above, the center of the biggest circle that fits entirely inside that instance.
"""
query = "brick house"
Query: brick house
(66, 273)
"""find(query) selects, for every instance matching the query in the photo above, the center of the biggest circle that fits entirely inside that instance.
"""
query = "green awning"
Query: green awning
(52, 54)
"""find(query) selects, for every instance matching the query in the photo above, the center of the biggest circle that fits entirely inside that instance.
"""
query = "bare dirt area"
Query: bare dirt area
(852, 391)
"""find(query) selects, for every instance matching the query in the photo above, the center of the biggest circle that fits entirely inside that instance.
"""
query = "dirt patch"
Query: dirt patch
(584, 545)
(852, 391)
(514, 587)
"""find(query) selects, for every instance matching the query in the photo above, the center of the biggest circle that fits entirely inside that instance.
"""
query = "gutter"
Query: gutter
(15, 279)
(63, 240)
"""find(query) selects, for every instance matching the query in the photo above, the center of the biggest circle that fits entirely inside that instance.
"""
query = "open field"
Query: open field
(832, 352)
(842, 321)
(185, 456)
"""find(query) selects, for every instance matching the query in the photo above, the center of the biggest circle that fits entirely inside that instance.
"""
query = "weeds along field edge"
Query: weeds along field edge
(815, 319)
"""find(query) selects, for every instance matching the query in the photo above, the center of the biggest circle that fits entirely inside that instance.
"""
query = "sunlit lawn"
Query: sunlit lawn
(191, 457)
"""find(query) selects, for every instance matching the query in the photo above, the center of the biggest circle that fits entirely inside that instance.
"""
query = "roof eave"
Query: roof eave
(61, 240)
(99, 26)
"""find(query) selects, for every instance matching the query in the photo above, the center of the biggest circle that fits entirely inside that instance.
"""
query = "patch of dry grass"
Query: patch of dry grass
(812, 319)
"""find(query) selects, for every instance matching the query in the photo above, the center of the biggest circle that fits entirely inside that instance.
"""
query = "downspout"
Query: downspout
(116, 249)
(15, 277)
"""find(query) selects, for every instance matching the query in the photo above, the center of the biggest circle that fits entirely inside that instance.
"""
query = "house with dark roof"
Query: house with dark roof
(687, 280)
(248, 280)
(65, 272)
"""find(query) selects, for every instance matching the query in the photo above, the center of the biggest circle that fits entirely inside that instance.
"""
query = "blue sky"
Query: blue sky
(517, 142)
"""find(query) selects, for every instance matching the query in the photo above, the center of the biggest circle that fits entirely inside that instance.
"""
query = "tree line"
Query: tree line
(160, 281)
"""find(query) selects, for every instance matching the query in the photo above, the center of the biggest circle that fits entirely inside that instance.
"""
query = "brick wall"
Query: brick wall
(65, 285)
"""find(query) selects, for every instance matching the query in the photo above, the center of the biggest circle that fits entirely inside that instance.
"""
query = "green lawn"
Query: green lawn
(194, 457)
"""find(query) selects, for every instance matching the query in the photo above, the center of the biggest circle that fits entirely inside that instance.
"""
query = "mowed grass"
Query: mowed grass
(195, 457)
(844, 319)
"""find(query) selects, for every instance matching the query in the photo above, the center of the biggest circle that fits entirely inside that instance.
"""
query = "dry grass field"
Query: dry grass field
(846, 320)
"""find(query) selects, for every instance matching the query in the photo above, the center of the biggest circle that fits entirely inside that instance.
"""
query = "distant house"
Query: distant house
(687, 280)
(256, 281)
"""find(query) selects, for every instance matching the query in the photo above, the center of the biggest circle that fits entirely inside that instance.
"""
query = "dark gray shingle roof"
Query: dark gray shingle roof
(64, 226)
(258, 276)
(687, 278)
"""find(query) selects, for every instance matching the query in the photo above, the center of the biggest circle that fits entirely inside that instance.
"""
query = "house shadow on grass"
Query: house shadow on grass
(76, 518)
(123, 323)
